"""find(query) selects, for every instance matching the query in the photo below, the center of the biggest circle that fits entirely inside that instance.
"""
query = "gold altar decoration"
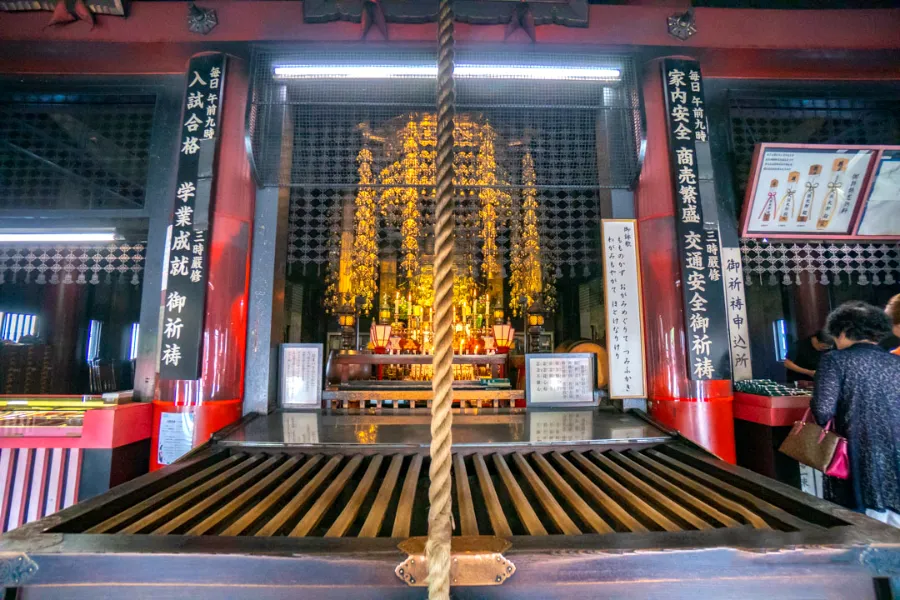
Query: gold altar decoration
(491, 200)
(527, 279)
(364, 261)
(409, 179)
(333, 298)
(403, 178)
(396, 188)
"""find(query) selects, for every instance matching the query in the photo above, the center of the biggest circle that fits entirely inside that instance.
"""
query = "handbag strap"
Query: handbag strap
(806, 416)
(806, 419)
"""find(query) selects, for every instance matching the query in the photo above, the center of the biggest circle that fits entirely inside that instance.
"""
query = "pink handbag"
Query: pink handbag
(818, 447)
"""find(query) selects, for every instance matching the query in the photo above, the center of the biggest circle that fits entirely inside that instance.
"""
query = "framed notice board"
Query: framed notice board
(560, 380)
(300, 375)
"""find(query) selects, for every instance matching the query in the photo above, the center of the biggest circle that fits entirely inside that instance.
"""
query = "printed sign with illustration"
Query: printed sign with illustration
(814, 191)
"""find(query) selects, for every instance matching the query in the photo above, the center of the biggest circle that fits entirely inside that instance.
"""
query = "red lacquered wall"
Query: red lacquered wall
(215, 400)
(701, 410)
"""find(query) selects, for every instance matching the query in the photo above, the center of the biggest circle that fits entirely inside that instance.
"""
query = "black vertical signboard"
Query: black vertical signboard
(706, 323)
(187, 256)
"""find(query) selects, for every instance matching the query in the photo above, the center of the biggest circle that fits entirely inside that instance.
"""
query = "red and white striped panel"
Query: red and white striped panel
(36, 482)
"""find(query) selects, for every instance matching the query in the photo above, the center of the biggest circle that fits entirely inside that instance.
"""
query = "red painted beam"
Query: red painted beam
(90, 58)
(240, 21)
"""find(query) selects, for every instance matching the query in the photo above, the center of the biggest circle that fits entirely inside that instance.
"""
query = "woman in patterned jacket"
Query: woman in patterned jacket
(858, 386)
(892, 342)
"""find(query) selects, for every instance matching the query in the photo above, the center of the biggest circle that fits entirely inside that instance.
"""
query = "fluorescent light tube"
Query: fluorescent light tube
(463, 71)
(61, 236)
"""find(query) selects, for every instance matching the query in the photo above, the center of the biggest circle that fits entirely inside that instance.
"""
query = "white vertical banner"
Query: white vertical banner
(736, 309)
(624, 309)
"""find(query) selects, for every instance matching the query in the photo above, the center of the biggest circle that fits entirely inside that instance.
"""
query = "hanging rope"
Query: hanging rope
(440, 528)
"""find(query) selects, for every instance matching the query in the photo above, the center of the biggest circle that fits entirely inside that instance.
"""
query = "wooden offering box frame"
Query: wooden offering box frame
(249, 514)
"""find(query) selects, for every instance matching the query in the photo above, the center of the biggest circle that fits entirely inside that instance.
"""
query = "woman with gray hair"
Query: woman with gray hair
(858, 386)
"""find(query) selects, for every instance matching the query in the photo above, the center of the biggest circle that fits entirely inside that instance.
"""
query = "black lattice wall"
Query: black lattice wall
(74, 151)
(583, 136)
(791, 119)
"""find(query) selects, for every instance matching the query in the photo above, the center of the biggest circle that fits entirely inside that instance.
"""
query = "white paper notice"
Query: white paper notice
(560, 378)
(565, 426)
(176, 435)
(301, 375)
(624, 315)
(736, 309)
(804, 190)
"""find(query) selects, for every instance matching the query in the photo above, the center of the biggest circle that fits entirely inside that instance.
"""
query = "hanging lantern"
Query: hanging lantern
(504, 335)
(381, 337)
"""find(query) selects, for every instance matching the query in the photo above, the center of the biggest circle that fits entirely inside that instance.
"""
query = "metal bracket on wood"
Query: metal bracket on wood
(682, 25)
(16, 569)
(475, 560)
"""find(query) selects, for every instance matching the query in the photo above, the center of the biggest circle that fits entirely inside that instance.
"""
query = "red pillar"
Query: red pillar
(215, 400)
(700, 410)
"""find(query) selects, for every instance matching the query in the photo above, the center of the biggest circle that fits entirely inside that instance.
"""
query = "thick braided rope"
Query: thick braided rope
(440, 516)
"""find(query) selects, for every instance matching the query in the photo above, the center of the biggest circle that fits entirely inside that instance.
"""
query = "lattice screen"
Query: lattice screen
(788, 264)
(74, 151)
(66, 264)
(583, 136)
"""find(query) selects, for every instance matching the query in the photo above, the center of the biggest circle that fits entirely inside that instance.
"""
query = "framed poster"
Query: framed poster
(300, 382)
(881, 210)
(565, 380)
(624, 309)
(806, 190)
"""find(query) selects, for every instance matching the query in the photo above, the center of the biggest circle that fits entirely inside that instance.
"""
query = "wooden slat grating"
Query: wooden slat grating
(516, 492)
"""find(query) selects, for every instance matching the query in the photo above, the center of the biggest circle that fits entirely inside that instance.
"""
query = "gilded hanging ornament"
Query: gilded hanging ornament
(527, 277)
(489, 198)
(364, 262)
